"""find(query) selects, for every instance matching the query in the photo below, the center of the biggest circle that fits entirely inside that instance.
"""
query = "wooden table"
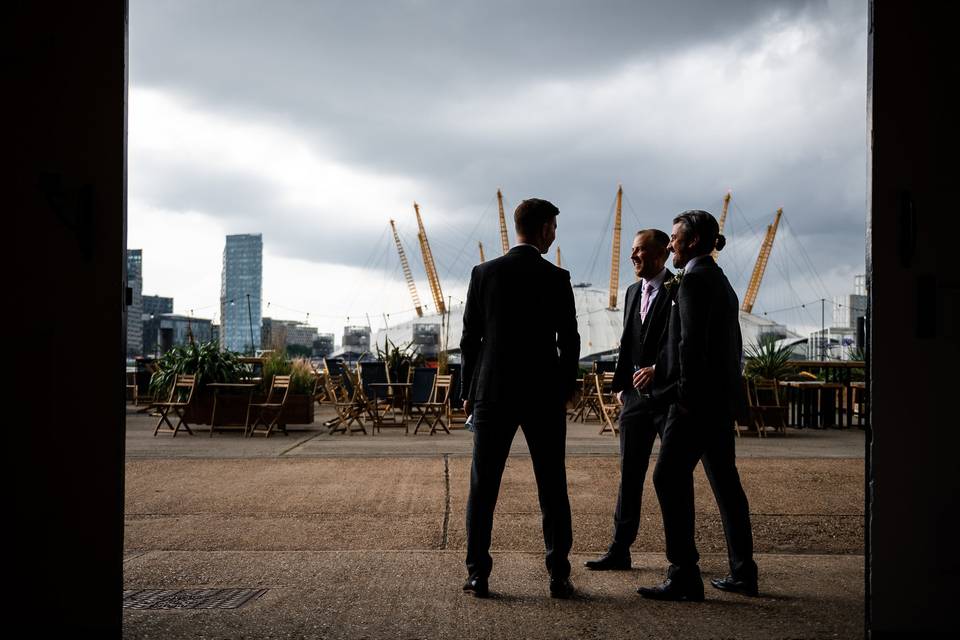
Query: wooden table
(401, 392)
(231, 386)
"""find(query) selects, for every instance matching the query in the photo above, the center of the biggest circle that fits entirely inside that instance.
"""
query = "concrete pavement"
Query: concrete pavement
(363, 536)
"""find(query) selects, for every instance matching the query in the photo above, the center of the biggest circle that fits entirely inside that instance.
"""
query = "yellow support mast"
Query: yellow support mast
(558, 256)
(615, 258)
(723, 219)
(407, 274)
(504, 239)
(429, 265)
(482, 259)
(754, 287)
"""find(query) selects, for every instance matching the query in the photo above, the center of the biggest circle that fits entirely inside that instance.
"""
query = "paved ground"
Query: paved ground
(363, 536)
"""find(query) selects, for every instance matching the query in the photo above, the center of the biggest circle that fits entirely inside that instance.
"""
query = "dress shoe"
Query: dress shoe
(561, 588)
(609, 562)
(478, 585)
(685, 590)
(729, 583)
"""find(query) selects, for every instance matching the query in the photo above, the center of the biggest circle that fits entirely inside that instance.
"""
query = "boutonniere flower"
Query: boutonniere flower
(674, 281)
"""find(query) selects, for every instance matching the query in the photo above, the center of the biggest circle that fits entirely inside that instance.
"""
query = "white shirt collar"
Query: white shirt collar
(656, 280)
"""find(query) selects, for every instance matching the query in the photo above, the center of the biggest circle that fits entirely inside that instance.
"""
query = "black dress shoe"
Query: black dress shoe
(729, 583)
(561, 588)
(690, 590)
(609, 562)
(478, 585)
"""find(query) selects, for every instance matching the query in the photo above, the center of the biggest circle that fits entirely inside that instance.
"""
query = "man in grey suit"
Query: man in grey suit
(520, 349)
(644, 321)
(698, 373)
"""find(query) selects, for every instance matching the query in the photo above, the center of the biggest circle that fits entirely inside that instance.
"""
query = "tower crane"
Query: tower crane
(429, 265)
(615, 258)
(504, 239)
(723, 219)
(406, 271)
(754, 287)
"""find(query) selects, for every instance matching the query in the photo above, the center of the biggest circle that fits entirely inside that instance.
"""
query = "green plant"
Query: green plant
(204, 359)
(300, 372)
(766, 359)
(302, 376)
(399, 358)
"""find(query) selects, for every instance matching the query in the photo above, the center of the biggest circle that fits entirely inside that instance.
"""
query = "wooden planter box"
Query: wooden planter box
(232, 408)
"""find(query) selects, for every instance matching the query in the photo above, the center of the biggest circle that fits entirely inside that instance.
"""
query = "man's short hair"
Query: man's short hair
(705, 226)
(661, 239)
(531, 214)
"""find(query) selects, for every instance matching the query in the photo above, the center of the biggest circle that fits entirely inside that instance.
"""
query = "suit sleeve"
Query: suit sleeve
(568, 339)
(622, 378)
(471, 336)
(693, 299)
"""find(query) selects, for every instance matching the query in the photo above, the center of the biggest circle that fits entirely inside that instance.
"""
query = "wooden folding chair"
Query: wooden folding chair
(766, 409)
(348, 406)
(180, 396)
(608, 403)
(436, 413)
(423, 381)
(279, 389)
(587, 406)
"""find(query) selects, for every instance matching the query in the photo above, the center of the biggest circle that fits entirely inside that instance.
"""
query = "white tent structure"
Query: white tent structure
(600, 328)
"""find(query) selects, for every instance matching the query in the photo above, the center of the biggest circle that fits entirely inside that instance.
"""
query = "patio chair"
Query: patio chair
(586, 403)
(375, 373)
(766, 408)
(436, 413)
(181, 394)
(608, 403)
(273, 407)
(422, 384)
(347, 405)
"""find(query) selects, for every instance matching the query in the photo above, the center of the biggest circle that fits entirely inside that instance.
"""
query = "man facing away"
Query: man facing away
(699, 373)
(644, 321)
(520, 349)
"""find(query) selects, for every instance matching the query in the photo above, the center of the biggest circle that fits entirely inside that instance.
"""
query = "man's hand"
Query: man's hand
(642, 377)
(466, 407)
(620, 396)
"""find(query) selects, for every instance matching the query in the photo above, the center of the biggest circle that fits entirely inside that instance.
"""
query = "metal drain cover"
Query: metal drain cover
(189, 598)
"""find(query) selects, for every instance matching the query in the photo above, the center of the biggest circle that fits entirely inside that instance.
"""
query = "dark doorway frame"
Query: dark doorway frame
(69, 66)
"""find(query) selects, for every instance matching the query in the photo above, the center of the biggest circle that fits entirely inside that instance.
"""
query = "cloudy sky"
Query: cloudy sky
(314, 123)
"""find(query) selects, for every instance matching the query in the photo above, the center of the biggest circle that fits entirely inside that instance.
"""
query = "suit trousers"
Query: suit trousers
(639, 426)
(545, 430)
(687, 439)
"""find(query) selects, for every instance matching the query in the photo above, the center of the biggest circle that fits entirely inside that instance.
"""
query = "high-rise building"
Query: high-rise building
(277, 335)
(241, 287)
(135, 310)
(323, 345)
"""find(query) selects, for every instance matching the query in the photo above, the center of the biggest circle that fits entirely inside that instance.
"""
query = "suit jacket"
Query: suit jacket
(699, 362)
(651, 332)
(520, 342)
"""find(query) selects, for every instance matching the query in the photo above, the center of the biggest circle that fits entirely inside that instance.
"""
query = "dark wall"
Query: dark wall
(913, 229)
(68, 66)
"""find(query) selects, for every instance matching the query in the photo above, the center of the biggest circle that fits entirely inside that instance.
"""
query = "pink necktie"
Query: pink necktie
(645, 301)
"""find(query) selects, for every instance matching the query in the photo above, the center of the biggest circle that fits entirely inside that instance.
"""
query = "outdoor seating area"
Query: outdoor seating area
(263, 396)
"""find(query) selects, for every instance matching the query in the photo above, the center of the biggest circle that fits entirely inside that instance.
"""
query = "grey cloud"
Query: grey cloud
(371, 79)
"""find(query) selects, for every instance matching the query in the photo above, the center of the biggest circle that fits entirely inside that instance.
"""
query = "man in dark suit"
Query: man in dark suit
(644, 320)
(520, 349)
(699, 373)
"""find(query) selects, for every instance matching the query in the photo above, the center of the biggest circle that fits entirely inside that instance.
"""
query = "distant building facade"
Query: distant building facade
(843, 339)
(172, 330)
(356, 339)
(135, 310)
(323, 345)
(241, 287)
(426, 340)
(279, 334)
(156, 305)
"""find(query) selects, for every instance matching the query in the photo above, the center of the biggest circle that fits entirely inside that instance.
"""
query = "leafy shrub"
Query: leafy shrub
(765, 359)
(204, 359)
